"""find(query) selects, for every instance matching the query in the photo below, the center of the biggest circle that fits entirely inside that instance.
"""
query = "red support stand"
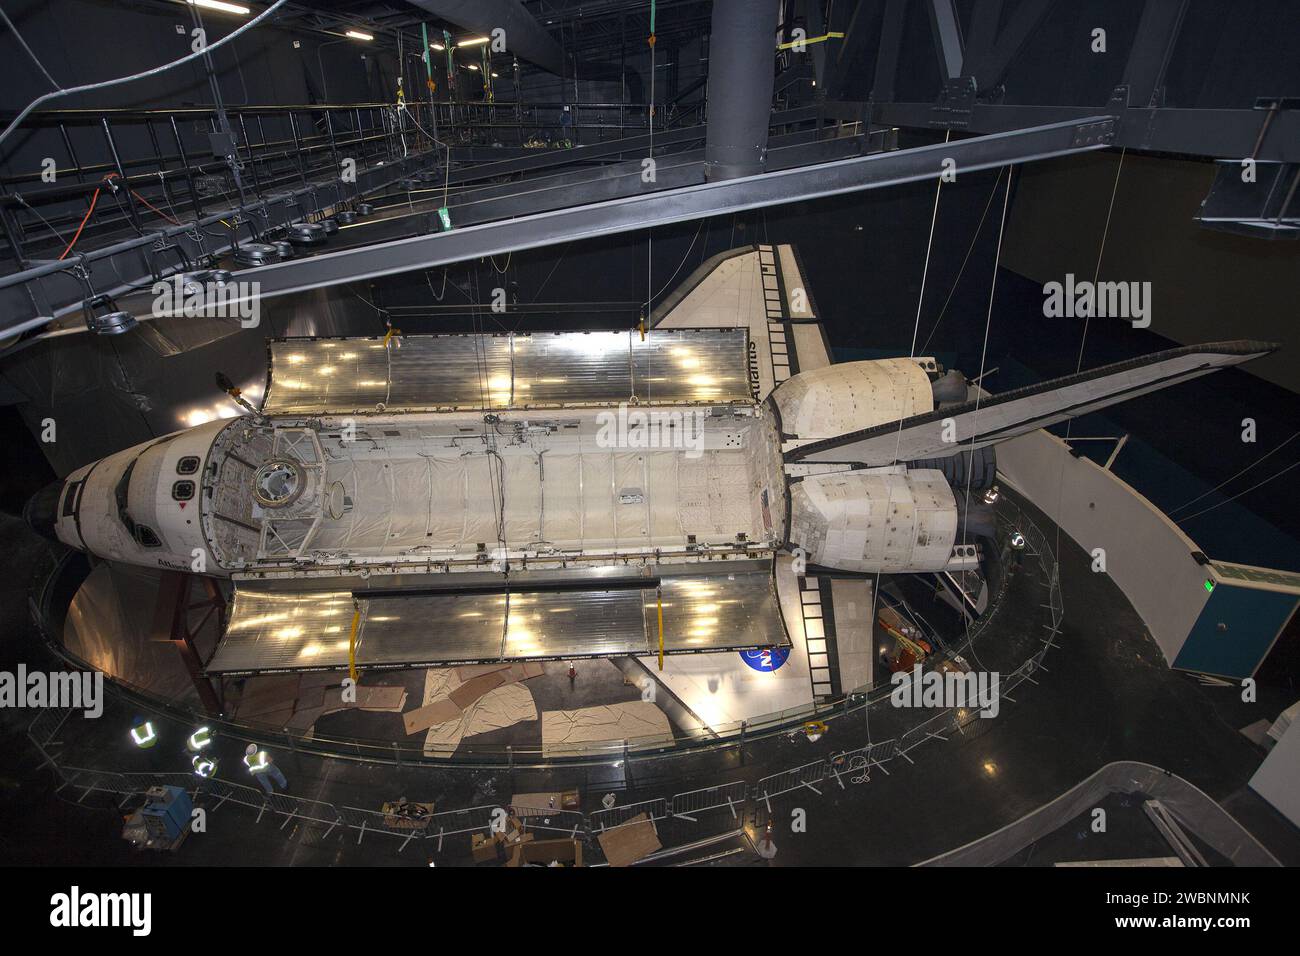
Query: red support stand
(173, 622)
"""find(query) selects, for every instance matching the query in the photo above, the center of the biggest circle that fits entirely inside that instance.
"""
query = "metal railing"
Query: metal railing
(728, 806)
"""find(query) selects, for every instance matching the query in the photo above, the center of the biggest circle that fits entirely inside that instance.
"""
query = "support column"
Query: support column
(742, 54)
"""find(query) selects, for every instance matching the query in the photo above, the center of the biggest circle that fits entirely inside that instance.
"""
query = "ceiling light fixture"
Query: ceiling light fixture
(219, 5)
(358, 35)
(473, 41)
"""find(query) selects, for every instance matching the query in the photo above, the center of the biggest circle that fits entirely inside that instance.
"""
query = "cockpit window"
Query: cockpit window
(143, 535)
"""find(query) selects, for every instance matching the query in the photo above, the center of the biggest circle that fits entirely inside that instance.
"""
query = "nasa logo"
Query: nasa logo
(766, 659)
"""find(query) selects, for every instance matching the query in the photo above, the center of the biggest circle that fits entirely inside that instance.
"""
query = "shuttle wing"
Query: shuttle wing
(761, 288)
(997, 418)
(296, 624)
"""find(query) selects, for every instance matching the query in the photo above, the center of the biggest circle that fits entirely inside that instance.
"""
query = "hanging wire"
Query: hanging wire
(1230, 480)
(920, 299)
(969, 249)
(1257, 484)
(1083, 340)
(676, 271)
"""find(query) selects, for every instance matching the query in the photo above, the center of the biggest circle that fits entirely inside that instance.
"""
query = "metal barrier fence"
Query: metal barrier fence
(611, 817)
(773, 785)
(730, 795)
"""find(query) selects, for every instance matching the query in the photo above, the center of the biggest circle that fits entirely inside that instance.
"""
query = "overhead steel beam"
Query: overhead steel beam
(991, 68)
(543, 159)
(517, 198)
(984, 21)
(680, 205)
(1221, 134)
(946, 29)
(1152, 46)
(891, 45)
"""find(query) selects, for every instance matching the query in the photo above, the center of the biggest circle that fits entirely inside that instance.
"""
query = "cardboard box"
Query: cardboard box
(483, 849)
(546, 852)
(489, 849)
(407, 815)
(634, 840)
(539, 804)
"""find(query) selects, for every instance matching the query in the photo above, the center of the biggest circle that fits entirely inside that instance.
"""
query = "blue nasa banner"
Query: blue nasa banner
(766, 659)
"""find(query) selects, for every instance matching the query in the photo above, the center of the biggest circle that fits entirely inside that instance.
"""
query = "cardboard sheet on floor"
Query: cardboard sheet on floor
(438, 712)
(572, 731)
(535, 804)
(468, 672)
(439, 682)
(303, 720)
(634, 840)
(470, 691)
(500, 707)
(385, 699)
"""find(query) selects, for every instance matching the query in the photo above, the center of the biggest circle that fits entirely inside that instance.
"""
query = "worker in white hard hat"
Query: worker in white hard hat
(263, 771)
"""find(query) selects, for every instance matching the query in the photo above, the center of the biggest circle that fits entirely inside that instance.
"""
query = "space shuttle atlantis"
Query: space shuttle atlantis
(503, 496)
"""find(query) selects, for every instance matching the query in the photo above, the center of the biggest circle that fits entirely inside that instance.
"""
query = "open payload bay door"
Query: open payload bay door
(764, 289)
(299, 625)
(424, 373)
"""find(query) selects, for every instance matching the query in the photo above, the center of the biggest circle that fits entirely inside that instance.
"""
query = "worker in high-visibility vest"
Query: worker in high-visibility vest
(143, 734)
(263, 771)
(199, 740)
(203, 766)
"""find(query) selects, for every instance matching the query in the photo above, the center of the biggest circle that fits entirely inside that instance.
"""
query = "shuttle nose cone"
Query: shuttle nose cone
(41, 510)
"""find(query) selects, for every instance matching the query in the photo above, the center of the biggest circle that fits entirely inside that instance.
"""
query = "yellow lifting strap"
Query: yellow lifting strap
(390, 333)
(806, 40)
(352, 641)
(659, 603)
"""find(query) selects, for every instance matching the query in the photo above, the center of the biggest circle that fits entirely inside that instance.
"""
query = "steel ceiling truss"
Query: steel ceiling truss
(972, 70)
(663, 207)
